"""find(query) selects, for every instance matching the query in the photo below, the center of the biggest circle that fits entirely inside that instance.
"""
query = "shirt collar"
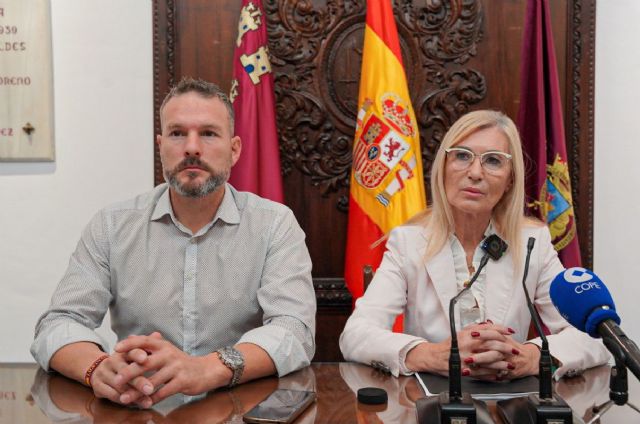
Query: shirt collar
(227, 211)
(163, 206)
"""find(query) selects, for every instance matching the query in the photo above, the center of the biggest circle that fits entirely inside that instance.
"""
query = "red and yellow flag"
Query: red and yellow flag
(387, 187)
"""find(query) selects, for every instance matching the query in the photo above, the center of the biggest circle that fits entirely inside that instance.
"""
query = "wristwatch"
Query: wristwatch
(233, 359)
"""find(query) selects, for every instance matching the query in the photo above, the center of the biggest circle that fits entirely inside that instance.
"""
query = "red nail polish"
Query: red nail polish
(511, 366)
(466, 372)
(511, 330)
(468, 360)
(515, 351)
(475, 334)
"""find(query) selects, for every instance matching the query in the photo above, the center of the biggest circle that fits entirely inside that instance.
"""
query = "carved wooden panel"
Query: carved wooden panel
(316, 54)
(459, 55)
(579, 115)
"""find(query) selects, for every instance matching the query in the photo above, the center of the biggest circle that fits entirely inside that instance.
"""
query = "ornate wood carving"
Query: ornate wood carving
(316, 55)
(580, 126)
(163, 67)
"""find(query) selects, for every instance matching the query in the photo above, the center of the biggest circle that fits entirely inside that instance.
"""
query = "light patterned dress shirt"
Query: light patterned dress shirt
(243, 278)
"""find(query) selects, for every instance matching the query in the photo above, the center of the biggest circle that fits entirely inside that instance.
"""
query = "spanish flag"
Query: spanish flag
(387, 187)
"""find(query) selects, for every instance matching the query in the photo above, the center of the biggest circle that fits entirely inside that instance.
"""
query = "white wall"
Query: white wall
(617, 156)
(103, 91)
(103, 81)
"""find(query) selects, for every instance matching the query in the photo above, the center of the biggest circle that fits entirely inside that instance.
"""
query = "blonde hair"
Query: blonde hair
(508, 214)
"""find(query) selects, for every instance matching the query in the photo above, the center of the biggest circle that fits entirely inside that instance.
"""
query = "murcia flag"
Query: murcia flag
(386, 179)
(543, 137)
(258, 169)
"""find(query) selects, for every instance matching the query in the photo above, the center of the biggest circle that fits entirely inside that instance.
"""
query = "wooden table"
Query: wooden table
(29, 395)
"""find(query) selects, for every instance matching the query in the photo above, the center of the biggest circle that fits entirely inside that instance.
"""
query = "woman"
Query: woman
(477, 190)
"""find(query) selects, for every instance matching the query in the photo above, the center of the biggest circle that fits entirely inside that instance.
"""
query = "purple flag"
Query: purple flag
(258, 169)
(542, 129)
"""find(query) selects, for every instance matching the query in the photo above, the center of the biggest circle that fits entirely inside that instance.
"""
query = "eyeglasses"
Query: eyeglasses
(461, 158)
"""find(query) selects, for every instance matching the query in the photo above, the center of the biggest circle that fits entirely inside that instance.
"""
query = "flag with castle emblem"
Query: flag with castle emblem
(258, 169)
(540, 121)
(387, 187)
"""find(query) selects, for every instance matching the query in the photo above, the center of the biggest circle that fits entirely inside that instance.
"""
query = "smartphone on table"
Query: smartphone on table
(281, 406)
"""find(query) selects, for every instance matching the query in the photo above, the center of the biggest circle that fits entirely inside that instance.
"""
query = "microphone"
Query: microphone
(458, 404)
(494, 247)
(544, 371)
(583, 300)
(544, 407)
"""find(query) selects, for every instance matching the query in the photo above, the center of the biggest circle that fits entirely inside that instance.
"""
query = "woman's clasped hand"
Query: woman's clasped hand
(487, 350)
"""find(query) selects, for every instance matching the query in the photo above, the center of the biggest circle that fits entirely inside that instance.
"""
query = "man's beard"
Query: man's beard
(191, 189)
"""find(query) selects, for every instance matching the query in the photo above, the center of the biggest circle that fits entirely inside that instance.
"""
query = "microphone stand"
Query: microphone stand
(544, 407)
(618, 384)
(620, 346)
(456, 406)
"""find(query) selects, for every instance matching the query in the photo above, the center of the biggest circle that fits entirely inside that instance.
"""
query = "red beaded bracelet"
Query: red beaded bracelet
(92, 368)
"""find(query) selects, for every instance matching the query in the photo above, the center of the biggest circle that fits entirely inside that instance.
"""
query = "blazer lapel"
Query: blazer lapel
(442, 273)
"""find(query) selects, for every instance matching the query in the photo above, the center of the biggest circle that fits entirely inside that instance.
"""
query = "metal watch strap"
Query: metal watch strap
(232, 358)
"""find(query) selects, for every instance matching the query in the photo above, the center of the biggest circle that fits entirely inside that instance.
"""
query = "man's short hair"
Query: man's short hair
(205, 89)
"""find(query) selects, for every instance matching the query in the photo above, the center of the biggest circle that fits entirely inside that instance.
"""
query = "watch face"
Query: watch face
(235, 359)
(231, 357)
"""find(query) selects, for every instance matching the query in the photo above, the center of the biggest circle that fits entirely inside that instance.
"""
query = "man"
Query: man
(207, 287)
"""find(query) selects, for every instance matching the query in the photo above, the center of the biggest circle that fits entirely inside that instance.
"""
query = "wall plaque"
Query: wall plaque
(26, 81)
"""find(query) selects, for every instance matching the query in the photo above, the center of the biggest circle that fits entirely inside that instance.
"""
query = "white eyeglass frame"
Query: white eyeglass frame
(479, 156)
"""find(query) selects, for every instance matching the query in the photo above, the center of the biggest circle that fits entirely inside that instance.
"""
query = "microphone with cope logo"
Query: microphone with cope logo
(583, 300)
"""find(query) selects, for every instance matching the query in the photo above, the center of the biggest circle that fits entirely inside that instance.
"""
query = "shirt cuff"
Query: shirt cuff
(285, 350)
(403, 356)
(48, 342)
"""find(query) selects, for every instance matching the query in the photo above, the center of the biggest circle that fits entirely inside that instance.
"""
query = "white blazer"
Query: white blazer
(405, 284)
